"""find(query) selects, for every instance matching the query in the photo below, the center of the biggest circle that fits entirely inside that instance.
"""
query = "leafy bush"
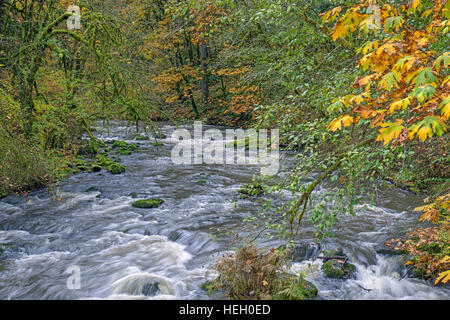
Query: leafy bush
(251, 274)
(23, 166)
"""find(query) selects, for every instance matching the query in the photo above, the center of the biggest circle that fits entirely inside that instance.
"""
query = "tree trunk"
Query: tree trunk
(205, 84)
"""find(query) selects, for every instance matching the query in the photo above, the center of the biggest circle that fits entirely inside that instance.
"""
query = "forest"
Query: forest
(358, 89)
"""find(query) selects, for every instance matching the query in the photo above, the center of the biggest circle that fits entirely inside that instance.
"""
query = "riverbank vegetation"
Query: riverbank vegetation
(358, 89)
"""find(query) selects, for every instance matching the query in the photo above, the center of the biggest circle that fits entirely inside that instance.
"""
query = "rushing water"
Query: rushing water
(121, 250)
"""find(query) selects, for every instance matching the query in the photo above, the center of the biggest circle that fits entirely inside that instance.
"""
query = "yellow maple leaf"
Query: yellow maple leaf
(340, 30)
(338, 123)
(390, 131)
(443, 276)
(399, 104)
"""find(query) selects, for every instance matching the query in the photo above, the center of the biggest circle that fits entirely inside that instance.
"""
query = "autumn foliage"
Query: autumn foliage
(404, 91)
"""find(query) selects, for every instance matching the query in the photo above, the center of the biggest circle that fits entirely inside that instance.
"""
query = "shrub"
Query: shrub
(251, 274)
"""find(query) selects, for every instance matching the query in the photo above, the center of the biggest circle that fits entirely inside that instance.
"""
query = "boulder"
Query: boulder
(150, 289)
(336, 265)
(148, 203)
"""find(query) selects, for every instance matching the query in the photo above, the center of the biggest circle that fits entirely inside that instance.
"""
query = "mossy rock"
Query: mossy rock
(141, 137)
(243, 143)
(148, 203)
(92, 189)
(119, 144)
(253, 189)
(95, 168)
(82, 167)
(335, 269)
(115, 168)
(157, 144)
(132, 146)
(124, 152)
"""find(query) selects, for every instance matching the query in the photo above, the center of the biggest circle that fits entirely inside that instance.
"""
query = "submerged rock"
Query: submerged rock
(150, 289)
(159, 135)
(148, 203)
(92, 189)
(301, 251)
(174, 236)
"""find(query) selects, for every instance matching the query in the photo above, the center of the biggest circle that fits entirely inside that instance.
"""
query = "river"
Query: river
(122, 251)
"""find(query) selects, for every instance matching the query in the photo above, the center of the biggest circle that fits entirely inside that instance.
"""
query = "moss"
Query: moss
(252, 189)
(132, 146)
(430, 248)
(201, 181)
(115, 168)
(141, 137)
(334, 269)
(157, 144)
(119, 144)
(134, 195)
(148, 203)
(124, 152)
(243, 143)
(82, 167)
(209, 287)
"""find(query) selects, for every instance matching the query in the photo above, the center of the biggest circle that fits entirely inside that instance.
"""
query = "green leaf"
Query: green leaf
(427, 128)
(425, 76)
(443, 59)
(423, 92)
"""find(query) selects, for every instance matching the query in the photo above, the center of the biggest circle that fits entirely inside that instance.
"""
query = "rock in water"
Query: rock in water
(150, 289)
(336, 266)
(148, 203)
